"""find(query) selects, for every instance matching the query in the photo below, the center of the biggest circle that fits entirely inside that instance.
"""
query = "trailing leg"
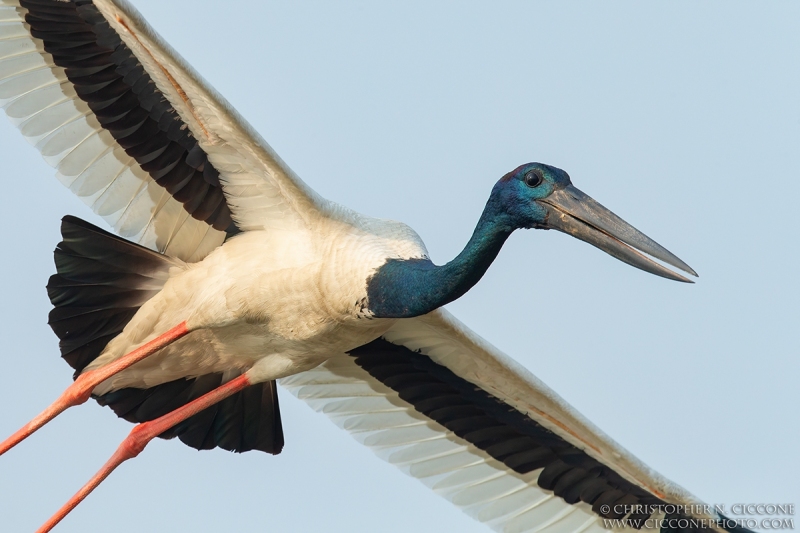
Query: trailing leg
(82, 388)
(142, 434)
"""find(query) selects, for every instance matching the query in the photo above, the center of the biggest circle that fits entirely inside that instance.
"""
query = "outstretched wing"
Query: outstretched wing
(135, 132)
(449, 409)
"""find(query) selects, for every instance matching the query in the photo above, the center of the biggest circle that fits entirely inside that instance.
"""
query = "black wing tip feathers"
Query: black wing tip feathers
(504, 433)
(126, 102)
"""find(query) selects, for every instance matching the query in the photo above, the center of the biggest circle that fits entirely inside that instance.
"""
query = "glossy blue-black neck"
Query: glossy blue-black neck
(404, 288)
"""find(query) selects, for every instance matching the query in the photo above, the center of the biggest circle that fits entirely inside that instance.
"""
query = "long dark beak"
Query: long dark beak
(579, 215)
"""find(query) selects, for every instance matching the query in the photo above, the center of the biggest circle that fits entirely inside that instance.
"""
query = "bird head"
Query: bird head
(539, 196)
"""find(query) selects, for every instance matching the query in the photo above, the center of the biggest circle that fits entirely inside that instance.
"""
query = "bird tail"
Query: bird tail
(101, 281)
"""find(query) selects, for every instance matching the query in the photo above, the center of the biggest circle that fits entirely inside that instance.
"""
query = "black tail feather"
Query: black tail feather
(248, 420)
(102, 281)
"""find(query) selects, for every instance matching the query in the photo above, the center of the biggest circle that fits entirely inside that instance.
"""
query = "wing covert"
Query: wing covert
(450, 410)
(261, 190)
(134, 132)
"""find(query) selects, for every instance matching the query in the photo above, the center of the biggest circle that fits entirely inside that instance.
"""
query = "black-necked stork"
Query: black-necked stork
(245, 276)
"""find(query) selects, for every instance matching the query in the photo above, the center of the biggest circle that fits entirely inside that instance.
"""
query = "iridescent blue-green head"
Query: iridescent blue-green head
(539, 196)
(533, 195)
(518, 196)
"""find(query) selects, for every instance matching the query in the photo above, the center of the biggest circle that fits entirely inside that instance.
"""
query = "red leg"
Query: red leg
(138, 438)
(82, 388)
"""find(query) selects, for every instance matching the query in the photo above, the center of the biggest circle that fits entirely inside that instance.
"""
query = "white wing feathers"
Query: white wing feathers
(482, 487)
(450, 343)
(261, 190)
(40, 101)
(466, 475)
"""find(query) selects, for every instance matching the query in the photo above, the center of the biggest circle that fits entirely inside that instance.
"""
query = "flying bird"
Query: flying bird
(227, 273)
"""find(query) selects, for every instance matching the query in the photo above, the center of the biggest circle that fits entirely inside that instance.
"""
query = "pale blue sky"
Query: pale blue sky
(682, 117)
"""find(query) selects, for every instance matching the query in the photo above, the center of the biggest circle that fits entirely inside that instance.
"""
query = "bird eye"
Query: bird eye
(533, 178)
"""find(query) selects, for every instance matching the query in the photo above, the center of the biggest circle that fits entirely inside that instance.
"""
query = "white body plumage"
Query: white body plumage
(288, 298)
